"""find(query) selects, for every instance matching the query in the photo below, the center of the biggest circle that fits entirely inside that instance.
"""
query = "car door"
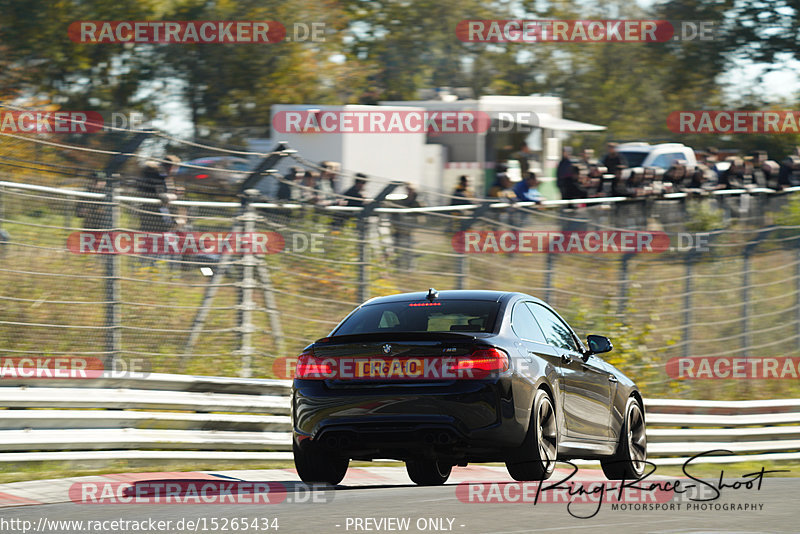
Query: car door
(532, 344)
(537, 358)
(585, 383)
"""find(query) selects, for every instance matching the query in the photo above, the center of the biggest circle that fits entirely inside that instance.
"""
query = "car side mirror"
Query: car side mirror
(598, 344)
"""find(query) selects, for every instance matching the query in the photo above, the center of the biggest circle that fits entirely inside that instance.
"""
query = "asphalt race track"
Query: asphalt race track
(369, 500)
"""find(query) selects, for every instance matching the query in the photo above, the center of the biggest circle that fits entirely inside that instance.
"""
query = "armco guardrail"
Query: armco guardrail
(177, 417)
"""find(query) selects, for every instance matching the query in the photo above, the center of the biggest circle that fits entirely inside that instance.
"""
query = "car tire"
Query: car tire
(315, 465)
(428, 472)
(539, 451)
(628, 462)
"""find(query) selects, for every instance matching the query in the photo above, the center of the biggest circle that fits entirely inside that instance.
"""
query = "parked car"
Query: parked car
(222, 175)
(443, 379)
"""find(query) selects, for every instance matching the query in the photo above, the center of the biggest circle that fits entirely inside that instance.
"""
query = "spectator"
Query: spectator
(287, 190)
(589, 161)
(156, 182)
(564, 171)
(677, 174)
(573, 186)
(771, 170)
(788, 173)
(523, 155)
(501, 189)
(527, 190)
(614, 161)
(402, 228)
(711, 160)
(95, 213)
(355, 195)
(463, 193)
(733, 176)
(327, 182)
(310, 193)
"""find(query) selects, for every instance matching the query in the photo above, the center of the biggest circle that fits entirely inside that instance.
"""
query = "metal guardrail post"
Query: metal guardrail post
(112, 278)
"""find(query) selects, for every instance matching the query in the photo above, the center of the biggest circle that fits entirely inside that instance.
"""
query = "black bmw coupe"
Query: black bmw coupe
(440, 379)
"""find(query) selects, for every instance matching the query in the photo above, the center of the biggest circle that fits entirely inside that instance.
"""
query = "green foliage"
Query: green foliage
(703, 215)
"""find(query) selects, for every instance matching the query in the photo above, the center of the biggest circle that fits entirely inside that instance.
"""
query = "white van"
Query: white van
(662, 155)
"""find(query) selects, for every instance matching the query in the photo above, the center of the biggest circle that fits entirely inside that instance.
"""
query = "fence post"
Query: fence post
(463, 259)
(245, 287)
(797, 294)
(112, 278)
(745, 300)
(687, 305)
(548, 275)
(623, 285)
(362, 226)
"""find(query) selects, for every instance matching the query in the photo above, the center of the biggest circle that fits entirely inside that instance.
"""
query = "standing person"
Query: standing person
(328, 188)
(287, 190)
(402, 228)
(613, 160)
(574, 187)
(733, 176)
(523, 155)
(564, 170)
(462, 194)
(355, 195)
(95, 213)
(156, 182)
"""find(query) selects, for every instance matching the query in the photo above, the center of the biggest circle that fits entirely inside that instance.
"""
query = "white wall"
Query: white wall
(382, 157)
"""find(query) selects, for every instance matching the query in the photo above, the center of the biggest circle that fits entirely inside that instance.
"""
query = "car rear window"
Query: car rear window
(634, 159)
(422, 316)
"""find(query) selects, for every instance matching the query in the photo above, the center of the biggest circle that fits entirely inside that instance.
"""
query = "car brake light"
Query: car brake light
(481, 363)
(201, 176)
(309, 367)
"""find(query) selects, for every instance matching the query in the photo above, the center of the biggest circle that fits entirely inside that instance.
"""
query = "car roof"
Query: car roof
(644, 147)
(454, 294)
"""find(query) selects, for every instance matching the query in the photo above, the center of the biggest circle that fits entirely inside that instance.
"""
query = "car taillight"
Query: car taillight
(309, 367)
(201, 176)
(480, 363)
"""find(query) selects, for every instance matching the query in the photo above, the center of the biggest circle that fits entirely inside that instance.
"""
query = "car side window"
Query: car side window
(524, 325)
(556, 332)
(666, 160)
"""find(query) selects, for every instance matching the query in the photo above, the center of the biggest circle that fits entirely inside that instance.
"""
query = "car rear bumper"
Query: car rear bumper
(462, 419)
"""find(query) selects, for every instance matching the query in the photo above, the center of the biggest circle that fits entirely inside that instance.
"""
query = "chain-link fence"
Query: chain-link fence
(728, 284)
(229, 314)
